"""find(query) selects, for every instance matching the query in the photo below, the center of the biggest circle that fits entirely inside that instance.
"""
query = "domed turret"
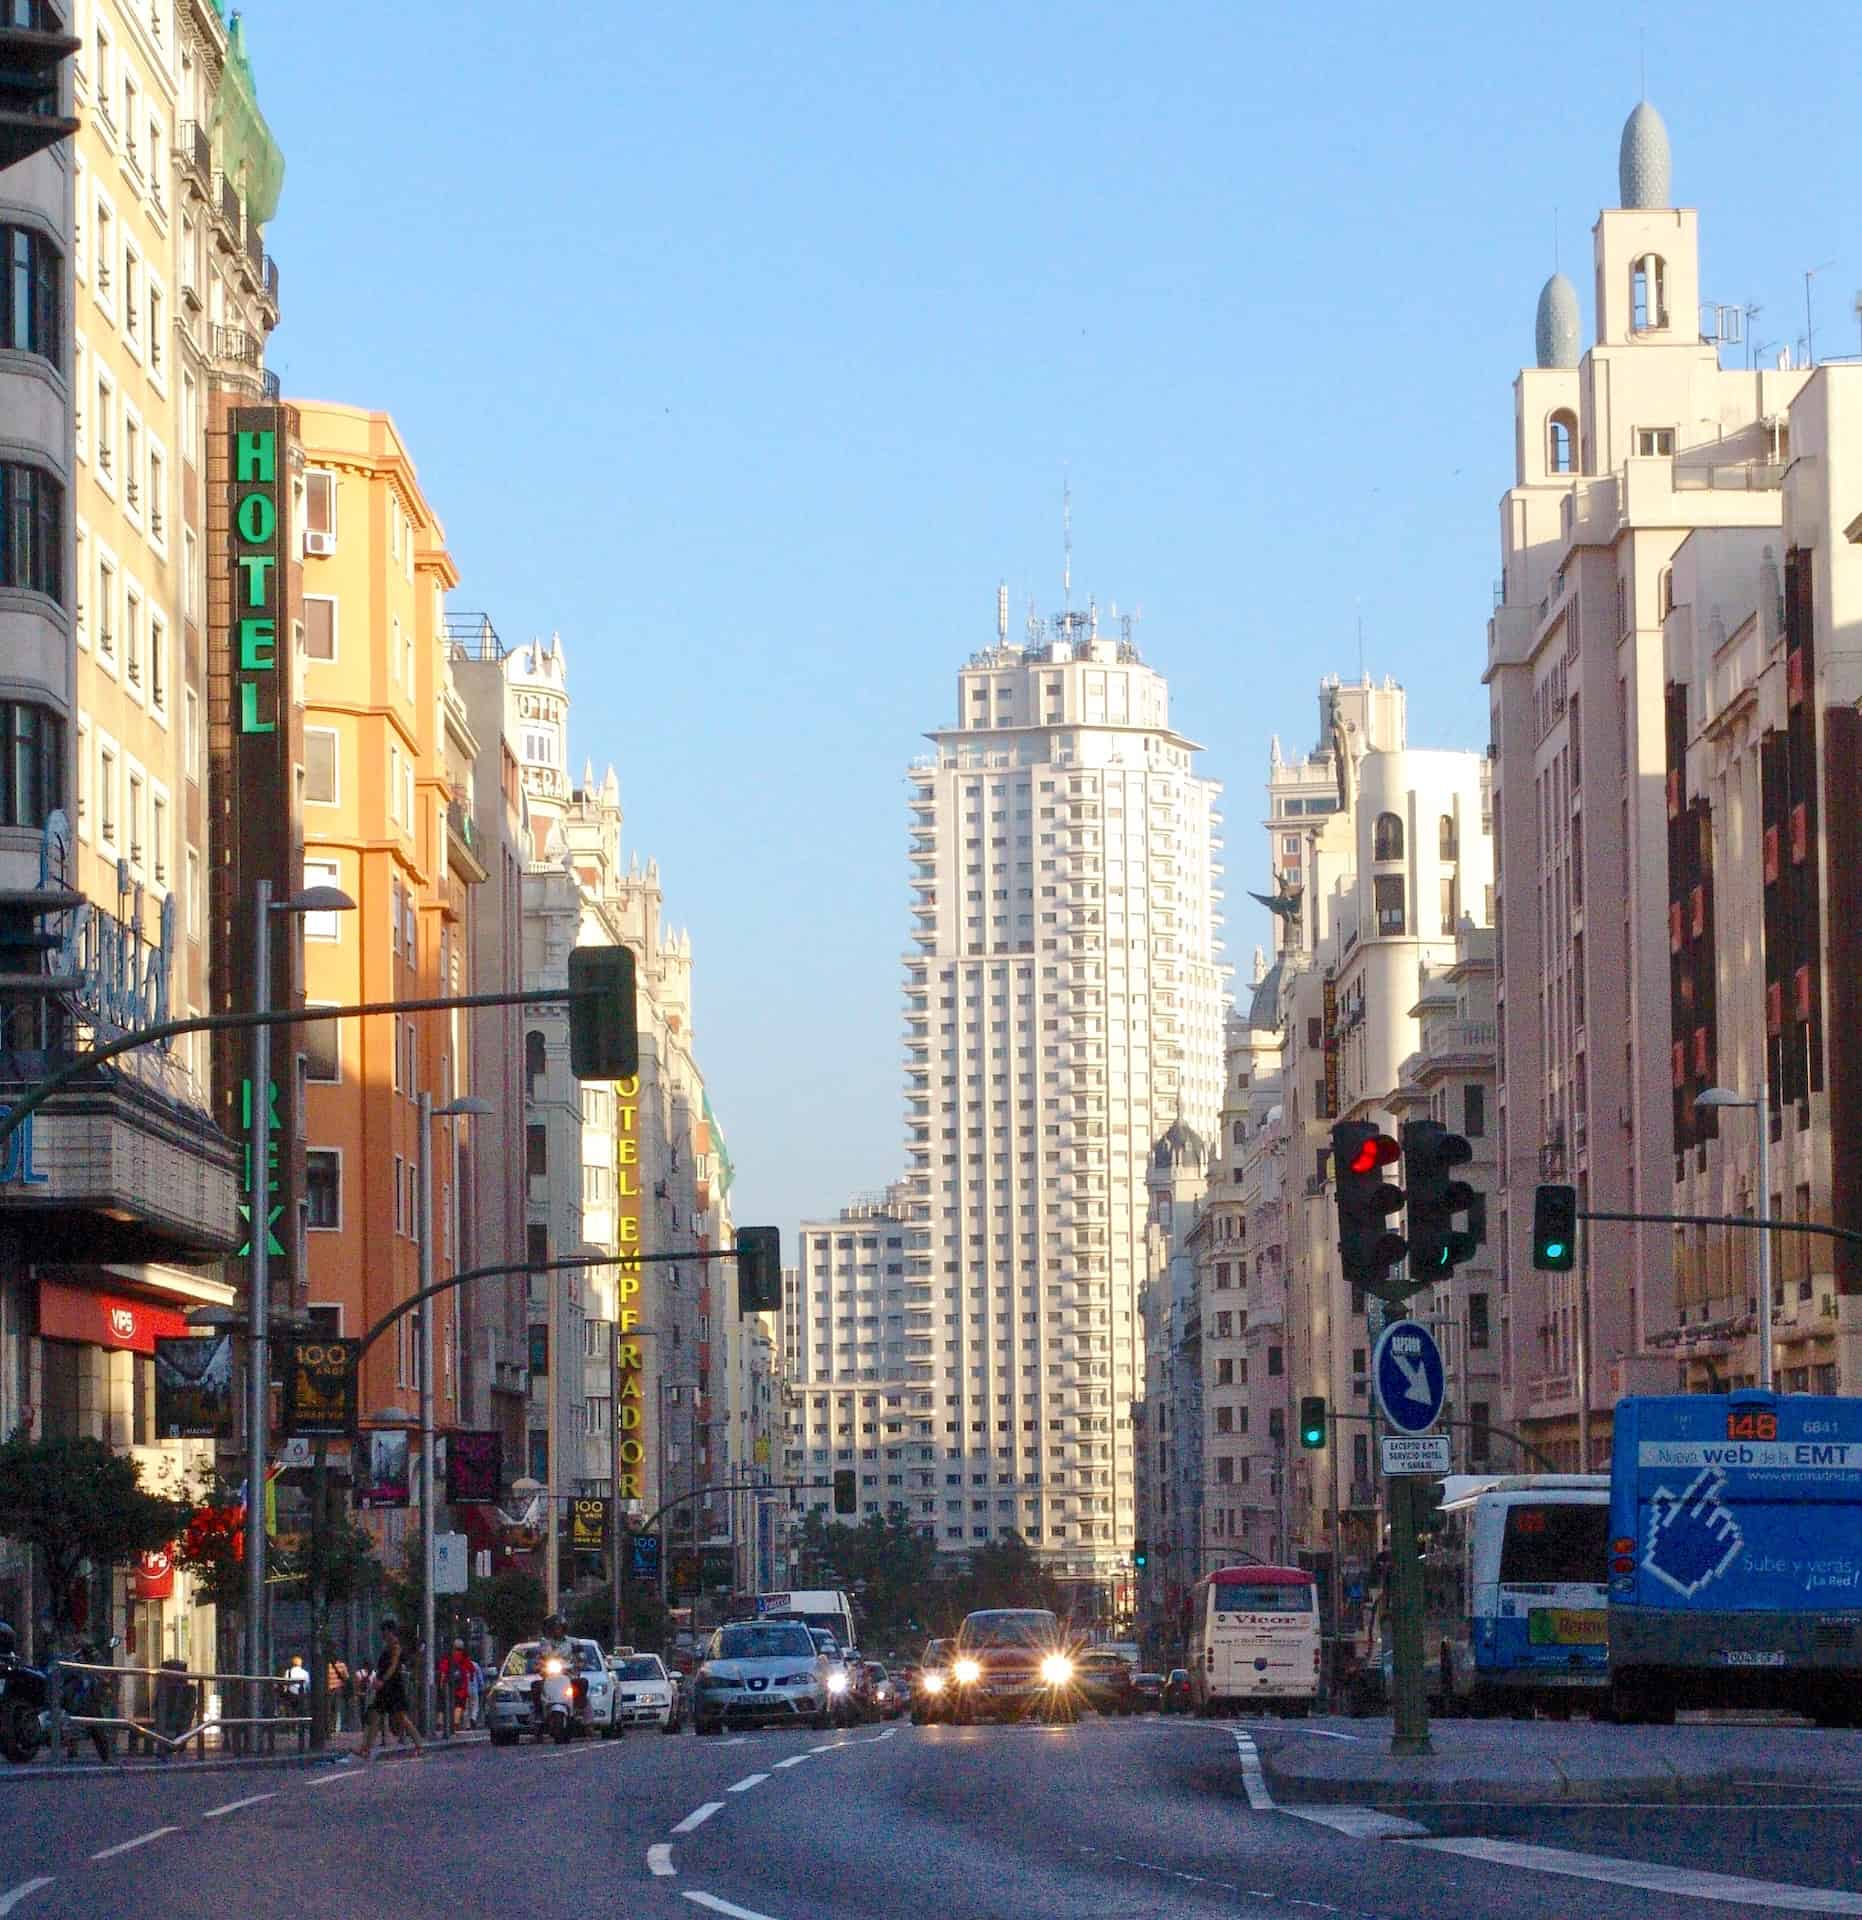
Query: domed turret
(1643, 161)
(1556, 330)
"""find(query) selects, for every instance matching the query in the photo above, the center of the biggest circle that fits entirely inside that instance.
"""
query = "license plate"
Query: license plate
(1748, 1657)
(1566, 1627)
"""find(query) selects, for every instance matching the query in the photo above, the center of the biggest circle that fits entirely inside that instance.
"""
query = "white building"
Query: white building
(1063, 1003)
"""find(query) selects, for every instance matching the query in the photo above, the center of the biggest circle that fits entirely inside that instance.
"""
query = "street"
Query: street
(1144, 1816)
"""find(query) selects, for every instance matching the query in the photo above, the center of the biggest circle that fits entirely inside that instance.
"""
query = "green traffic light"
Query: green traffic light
(1554, 1250)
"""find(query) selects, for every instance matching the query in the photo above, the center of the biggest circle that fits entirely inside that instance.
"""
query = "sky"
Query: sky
(749, 347)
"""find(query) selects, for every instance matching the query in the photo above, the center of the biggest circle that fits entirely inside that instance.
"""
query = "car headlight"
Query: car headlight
(966, 1673)
(932, 1682)
(837, 1683)
(1056, 1669)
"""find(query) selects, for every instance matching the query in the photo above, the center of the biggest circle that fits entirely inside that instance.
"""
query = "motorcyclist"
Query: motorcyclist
(556, 1643)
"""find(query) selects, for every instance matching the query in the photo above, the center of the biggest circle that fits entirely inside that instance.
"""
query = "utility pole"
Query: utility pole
(1410, 1725)
(424, 1119)
(258, 1293)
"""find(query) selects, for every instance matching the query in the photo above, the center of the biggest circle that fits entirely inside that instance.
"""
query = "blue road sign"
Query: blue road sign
(1407, 1371)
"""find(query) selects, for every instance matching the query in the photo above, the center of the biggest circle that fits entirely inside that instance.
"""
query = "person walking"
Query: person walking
(475, 1691)
(336, 1694)
(388, 1700)
(455, 1676)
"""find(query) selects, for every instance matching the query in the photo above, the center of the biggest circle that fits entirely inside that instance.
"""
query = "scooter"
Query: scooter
(562, 1701)
(26, 1705)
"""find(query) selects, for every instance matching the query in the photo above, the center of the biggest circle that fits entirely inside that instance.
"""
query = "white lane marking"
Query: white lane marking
(716, 1905)
(14, 1895)
(827, 1746)
(1651, 1877)
(1359, 1823)
(129, 1846)
(233, 1806)
(747, 1782)
(330, 1779)
(1312, 1733)
(742, 1740)
(1252, 1779)
(794, 1760)
(659, 1860)
(699, 1815)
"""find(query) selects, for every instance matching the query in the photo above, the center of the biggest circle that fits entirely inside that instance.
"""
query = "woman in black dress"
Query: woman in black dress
(388, 1702)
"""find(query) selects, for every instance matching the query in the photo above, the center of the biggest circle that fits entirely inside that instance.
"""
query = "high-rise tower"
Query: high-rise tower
(1063, 1004)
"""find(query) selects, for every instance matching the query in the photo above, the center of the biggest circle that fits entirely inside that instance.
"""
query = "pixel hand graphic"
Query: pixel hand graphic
(1693, 1539)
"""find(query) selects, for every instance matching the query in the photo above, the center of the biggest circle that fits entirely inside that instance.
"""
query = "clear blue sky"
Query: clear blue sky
(748, 346)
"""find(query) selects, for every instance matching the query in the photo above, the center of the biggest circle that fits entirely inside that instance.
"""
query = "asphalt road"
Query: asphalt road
(1106, 1819)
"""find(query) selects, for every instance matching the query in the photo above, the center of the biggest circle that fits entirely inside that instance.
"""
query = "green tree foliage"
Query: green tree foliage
(644, 1622)
(75, 1500)
(510, 1604)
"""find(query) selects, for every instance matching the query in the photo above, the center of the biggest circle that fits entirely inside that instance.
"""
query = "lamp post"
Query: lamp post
(258, 1229)
(1716, 1097)
(675, 1386)
(428, 1113)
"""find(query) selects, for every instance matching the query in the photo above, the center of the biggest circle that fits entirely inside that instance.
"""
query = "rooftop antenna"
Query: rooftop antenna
(1360, 642)
(1752, 311)
(1002, 612)
(1066, 544)
(1810, 335)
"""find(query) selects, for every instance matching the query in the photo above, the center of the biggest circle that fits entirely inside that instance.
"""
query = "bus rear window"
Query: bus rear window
(1556, 1544)
(1275, 1599)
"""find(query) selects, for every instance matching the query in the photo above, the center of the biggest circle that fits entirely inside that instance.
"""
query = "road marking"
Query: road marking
(742, 1740)
(1252, 1779)
(10, 1899)
(1359, 1823)
(330, 1779)
(233, 1806)
(659, 1860)
(697, 1818)
(794, 1760)
(747, 1782)
(716, 1905)
(129, 1846)
(1652, 1878)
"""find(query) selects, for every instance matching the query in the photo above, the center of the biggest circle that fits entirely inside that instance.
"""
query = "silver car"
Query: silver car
(645, 1694)
(758, 1672)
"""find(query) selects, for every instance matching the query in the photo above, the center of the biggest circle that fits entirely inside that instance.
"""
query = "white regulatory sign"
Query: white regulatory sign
(1415, 1452)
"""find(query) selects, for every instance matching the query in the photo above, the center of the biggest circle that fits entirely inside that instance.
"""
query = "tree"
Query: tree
(510, 1604)
(75, 1500)
(644, 1622)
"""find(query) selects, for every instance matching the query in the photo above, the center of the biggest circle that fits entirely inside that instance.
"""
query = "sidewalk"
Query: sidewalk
(1527, 1761)
(88, 1767)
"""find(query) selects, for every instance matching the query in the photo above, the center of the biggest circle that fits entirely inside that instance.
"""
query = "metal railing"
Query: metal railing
(174, 1699)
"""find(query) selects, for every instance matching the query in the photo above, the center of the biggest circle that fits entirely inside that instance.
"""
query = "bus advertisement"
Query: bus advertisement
(1736, 1554)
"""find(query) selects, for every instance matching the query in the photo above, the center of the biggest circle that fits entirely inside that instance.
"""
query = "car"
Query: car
(511, 1708)
(759, 1673)
(931, 1685)
(879, 1695)
(1104, 1681)
(646, 1695)
(1177, 1697)
(843, 1668)
(1013, 1663)
(1149, 1688)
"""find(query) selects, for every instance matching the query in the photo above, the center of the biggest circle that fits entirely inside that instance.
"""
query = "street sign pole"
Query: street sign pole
(1409, 1731)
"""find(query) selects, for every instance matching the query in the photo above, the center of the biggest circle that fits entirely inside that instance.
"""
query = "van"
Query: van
(824, 1609)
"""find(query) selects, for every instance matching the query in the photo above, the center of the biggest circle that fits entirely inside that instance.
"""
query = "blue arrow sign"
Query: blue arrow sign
(1407, 1371)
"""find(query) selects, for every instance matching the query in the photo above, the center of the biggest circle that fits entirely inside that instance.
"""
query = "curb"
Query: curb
(90, 1770)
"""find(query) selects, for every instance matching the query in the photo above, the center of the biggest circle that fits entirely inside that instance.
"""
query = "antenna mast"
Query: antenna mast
(1066, 546)
(1002, 612)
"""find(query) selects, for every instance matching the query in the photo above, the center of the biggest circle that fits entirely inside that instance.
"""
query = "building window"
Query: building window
(537, 1151)
(536, 1064)
(31, 299)
(1388, 895)
(1448, 838)
(1561, 452)
(1276, 1360)
(32, 771)
(323, 1189)
(320, 788)
(1387, 838)
(1480, 1433)
(1648, 297)
(1655, 441)
(1477, 1320)
(319, 627)
(323, 1047)
(1473, 1111)
(32, 519)
(319, 511)
(1450, 896)
(326, 925)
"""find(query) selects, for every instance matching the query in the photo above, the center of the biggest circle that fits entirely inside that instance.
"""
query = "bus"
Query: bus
(1735, 1554)
(1254, 1638)
(1516, 1582)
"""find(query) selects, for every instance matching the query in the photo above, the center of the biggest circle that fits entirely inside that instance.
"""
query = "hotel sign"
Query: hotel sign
(258, 576)
(629, 1362)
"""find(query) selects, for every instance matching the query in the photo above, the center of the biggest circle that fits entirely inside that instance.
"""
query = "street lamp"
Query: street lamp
(258, 1229)
(453, 1110)
(676, 1386)
(1716, 1097)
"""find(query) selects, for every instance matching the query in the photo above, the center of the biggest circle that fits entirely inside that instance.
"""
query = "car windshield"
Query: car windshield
(520, 1661)
(773, 1640)
(1010, 1630)
(644, 1668)
(937, 1654)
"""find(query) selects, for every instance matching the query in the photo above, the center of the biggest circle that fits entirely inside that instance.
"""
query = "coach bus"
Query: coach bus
(1254, 1640)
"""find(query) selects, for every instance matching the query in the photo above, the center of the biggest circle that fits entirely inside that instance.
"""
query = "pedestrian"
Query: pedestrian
(388, 1698)
(296, 1687)
(455, 1675)
(336, 1694)
(475, 1690)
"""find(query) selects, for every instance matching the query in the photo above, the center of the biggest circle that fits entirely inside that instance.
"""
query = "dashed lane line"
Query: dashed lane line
(330, 1779)
(794, 1760)
(1650, 1876)
(129, 1846)
(747, 1782)
(1252, 1779)
(659, 1861)
(698, 1816)
(715, 1905)
(233, 1806)
(14, 1895)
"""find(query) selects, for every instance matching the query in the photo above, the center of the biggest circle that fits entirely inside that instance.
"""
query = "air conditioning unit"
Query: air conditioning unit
(318, 543)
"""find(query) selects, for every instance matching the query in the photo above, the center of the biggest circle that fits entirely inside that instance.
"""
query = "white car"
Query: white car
(511, 1706)
(645, 1694)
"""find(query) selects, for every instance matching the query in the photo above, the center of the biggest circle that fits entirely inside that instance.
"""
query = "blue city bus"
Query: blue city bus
(1736, 1555)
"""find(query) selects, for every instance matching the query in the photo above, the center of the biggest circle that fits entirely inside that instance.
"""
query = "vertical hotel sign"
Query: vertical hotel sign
(258, 573)
(630, 1373)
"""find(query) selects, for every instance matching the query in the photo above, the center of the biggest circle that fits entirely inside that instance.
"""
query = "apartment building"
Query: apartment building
(1624, 451)
(1062, 1004)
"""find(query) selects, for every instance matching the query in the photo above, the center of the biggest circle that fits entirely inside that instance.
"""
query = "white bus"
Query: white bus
(1254, 1638)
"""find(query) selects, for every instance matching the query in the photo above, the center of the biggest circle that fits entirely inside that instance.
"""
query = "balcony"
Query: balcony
(1445, 1038)
(32, 50)
(195, 153)
(229, 222)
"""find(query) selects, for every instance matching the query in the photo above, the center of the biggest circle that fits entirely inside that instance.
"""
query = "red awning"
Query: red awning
(105, 1319)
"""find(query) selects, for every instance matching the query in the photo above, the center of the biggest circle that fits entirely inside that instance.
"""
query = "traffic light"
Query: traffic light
(604, 1031)
(845, 1500)
(1436, 1245)
(1366, 1246)
(1554, 1229)
(1141, 1554)
(1312, 1420)
(759, 1270)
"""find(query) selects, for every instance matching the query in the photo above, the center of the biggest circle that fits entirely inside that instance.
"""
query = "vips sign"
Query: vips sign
(320, 1388)
(155, 1575)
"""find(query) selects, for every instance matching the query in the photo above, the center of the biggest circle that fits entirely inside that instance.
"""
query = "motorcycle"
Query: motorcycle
(26, 1704)
(562, 1701)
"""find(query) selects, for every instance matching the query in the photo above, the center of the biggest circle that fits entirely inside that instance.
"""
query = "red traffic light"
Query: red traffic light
(1377, 1151)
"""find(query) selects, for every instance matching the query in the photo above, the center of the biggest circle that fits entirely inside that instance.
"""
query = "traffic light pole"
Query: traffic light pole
(1409, 1731)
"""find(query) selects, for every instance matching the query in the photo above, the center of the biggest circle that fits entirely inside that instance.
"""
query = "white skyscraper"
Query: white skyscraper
(1063, 1004)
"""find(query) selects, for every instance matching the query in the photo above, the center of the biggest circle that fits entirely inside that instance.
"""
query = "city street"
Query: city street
(1108, 1818)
